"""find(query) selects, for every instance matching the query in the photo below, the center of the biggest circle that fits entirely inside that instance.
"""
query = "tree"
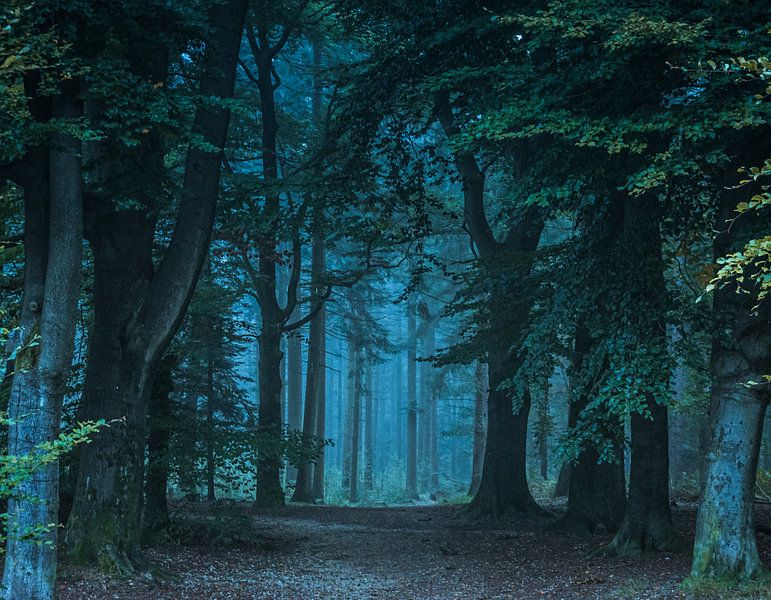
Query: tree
(52, 236)
(147, 305)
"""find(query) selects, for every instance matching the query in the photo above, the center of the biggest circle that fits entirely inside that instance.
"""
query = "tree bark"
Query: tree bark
(105, 521)
(369, 429)
(412, 401)
(348, 427)
(294, 388)
(211, 467)
(647, 524)
(159, 426)
(725, 545)
(353, 495)
(315, 377)
(269, 492)
(596, 490)
(503, 488)
(52, 287)
(480, 425)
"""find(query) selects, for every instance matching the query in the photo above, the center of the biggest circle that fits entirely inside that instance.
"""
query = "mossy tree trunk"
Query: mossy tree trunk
(53, 244)
(725, 545)
(105, 522)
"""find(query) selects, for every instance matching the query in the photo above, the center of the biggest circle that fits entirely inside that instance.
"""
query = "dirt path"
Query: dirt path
(398, 553)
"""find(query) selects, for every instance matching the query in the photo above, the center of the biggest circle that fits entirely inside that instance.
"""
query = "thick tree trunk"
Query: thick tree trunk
(503, 488)
(159, 425)
(107, 492)
(480, 425)
(412, 408)
(49, 313)
(647, 522)
(725, 545)
(105, 521)
(269, 492)
(596, 490)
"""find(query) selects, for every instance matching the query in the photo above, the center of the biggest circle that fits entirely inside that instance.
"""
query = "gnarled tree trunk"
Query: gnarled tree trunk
(105, 522)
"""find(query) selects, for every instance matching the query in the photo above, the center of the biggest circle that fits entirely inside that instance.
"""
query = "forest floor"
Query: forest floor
(404, 553)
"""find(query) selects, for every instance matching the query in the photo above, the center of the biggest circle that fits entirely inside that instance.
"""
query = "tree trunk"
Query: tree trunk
(480, 426)
(321, 409)
(210, 401)
(105, 521)
(596, 490)
(725, 545)
(49, 311)
(294, 388)
(412, 408)
(503, 488)
(647, 522)
(269, 492)
(353, 495)
(315, 377)
(159, 426)
(369, 429)
(348, 426)
(435, 430)
(543, 438)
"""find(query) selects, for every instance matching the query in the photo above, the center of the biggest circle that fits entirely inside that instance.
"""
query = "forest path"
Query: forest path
(402, 553)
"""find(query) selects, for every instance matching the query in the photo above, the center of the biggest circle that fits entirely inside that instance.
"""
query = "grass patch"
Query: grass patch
(720, 589)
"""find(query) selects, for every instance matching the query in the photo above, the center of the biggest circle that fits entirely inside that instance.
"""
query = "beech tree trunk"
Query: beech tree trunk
(53, 243)
(270, 455)
(647, 524)
(725, 545)
(294, 388)
(347, 426)
(210, 402)
(105, 521)
(596, 490)
(353, 493)
(369, 429)
(412, 404)
(159, 426)
(315, 380)
(503, 488)
(480, 425)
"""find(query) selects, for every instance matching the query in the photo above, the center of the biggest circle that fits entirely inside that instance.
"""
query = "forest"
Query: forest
(431, 299)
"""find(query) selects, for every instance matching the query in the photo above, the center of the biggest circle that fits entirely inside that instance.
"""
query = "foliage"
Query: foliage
(15, 470)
